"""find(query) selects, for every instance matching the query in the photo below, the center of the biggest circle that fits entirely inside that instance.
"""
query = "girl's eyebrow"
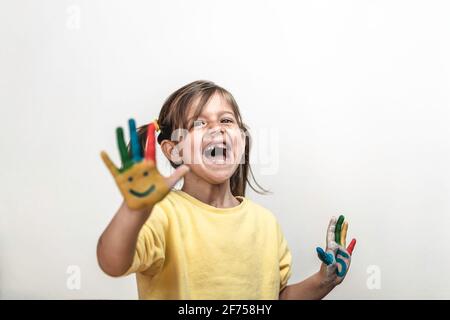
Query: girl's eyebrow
(220, 114)
(232, 113)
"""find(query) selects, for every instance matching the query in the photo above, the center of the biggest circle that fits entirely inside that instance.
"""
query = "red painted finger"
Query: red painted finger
(150, 144)
(351, 246)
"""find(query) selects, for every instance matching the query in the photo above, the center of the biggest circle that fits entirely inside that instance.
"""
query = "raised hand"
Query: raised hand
(138, 179)
(336, 259)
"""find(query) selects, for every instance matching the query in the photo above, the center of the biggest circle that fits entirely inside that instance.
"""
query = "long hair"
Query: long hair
(173, 115)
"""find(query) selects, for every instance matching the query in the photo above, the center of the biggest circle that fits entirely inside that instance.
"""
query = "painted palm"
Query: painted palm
(336, 256)
(138, 179)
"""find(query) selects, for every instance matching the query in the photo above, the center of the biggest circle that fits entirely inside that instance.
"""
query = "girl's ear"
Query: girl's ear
(170, 150)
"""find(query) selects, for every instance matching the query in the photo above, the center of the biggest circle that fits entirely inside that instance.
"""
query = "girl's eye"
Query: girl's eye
(199, 123)
(227, 120)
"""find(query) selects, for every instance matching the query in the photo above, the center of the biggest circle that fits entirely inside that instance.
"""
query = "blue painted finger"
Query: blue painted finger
(325, 257)
(135, 147)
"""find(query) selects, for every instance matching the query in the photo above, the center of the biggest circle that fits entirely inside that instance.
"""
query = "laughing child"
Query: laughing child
(207, 240)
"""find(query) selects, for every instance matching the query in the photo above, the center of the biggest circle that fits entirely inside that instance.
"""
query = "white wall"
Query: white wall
(357, 91)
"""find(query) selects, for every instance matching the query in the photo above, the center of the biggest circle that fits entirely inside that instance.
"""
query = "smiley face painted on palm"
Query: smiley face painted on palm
(138, 179)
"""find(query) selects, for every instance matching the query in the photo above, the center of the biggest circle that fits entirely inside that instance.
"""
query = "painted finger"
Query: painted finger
(331, 230)
(177, 175)
(109, 164)
(135, 147)
(150, 144)
(338, 229)
(351, 246)
(325, 257)
(344, 233)
(124, 157)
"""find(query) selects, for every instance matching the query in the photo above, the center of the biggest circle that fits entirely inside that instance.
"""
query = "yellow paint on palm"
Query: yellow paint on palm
(142, 185)
(138, 180)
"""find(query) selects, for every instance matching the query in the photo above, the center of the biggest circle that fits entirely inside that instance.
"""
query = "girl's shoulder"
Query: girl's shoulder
(259, 208)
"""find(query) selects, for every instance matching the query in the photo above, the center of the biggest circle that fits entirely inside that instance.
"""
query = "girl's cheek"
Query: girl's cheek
(195, 147)
(240, 138)
(238, 148)
(184, 149)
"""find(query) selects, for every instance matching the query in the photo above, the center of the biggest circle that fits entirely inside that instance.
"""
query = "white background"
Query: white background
(356, 94)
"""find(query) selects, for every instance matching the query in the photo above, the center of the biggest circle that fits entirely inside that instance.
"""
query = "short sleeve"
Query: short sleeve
(150, 246)
(285, 259)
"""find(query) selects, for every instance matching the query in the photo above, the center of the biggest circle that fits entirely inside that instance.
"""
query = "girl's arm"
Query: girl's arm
(142, 186)
(117, 244)
(313, 288)
(335, 264)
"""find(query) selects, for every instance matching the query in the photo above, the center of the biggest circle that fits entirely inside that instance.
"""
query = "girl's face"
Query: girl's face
(215, 145)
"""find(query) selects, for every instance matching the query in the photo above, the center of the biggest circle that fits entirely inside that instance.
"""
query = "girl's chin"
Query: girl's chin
(218, 172)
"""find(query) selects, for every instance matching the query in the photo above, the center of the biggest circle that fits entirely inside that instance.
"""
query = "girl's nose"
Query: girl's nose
(217, 129)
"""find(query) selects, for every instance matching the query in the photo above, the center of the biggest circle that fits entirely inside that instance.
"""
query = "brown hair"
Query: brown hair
(173, 115)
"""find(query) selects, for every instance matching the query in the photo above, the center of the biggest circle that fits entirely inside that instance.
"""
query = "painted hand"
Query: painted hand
(336, 259)
(138, 179)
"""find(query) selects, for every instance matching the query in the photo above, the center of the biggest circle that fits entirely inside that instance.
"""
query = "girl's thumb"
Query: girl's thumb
(177, 175)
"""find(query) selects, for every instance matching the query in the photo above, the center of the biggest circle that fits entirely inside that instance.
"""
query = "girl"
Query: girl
(207, 240)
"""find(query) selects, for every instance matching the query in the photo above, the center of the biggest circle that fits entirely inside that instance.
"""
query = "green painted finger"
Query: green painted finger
(126, 161)
(339, 229)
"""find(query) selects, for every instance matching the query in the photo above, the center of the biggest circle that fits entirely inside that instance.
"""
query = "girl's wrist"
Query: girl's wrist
(324, 281)
(134, 217)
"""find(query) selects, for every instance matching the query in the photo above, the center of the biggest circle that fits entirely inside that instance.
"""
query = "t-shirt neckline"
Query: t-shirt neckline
(198, 203)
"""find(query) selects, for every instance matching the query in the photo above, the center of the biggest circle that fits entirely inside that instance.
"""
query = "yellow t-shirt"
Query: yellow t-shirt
(188, 249)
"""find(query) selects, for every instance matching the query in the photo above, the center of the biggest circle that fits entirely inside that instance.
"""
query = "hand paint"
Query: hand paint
(336, 241)
(138, 179)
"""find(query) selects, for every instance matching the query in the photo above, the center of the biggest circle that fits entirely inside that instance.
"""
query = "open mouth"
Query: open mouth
(217, 153)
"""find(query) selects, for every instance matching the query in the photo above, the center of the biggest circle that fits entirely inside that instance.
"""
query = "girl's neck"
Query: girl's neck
(216, 195)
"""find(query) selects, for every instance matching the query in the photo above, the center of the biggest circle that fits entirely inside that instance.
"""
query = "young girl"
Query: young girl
(207, 240)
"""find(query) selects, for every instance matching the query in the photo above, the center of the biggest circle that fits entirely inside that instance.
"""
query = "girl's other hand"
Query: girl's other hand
(336, 259)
